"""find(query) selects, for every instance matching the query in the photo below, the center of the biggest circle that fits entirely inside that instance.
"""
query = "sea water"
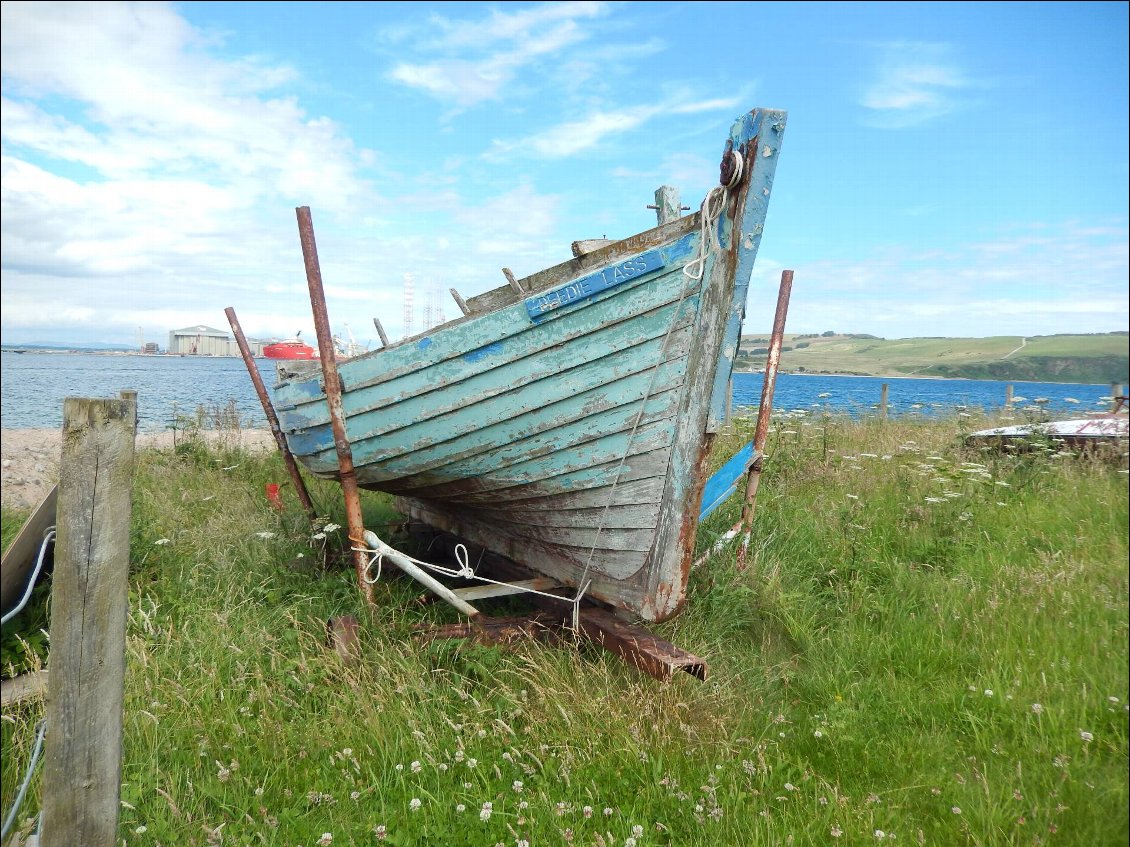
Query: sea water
(33, 386)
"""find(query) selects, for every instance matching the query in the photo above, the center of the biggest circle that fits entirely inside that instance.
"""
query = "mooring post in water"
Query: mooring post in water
(89, 607)
(1008, 397)
(349, 488)
(269, 411)
(765, 411)
(883, 393)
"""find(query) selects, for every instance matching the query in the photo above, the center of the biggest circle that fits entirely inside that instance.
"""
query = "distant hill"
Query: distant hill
(86, 346)
(1094, 359)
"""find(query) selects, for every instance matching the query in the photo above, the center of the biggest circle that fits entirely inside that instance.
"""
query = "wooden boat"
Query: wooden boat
(1079, 433)
(564, 421)
(25, 557)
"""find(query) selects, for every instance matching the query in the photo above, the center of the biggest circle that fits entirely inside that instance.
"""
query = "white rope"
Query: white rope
(464, 571)
(709, 215)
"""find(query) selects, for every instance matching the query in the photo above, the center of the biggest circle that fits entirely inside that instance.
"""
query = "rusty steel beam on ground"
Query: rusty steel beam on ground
(269, 411)
(348, 476)
(765, 410)
(639, 647)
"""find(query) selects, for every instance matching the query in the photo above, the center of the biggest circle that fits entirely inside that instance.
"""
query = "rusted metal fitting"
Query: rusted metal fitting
(730, 169)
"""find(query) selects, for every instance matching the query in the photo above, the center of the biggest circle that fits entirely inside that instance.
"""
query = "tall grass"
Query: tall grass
(929, 644)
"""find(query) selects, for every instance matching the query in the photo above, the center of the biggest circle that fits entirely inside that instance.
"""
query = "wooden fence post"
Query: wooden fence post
(89, 606)
(1008, 398)
(883, 401)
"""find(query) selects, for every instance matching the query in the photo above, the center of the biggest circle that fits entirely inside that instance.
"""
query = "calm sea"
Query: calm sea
(33, 386)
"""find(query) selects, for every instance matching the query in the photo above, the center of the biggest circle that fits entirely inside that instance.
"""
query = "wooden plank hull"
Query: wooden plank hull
(565, 430)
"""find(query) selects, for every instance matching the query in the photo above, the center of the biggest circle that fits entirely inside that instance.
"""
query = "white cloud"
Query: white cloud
(573, 137)
(477, 59)
(915, 82)
(1026, 283)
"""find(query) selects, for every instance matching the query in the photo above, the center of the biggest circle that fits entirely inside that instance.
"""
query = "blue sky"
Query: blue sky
(948, 169)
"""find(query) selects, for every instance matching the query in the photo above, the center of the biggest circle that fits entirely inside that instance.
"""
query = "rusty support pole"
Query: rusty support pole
(269, 411)
(764, 411)
(328, 355)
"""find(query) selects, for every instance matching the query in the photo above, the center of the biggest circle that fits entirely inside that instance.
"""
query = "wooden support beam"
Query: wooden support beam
(509, 274)
(381, 332)
(479, 592)
(460, 302)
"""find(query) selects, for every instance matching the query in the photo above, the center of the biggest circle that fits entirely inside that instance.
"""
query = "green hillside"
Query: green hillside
(1100, 358)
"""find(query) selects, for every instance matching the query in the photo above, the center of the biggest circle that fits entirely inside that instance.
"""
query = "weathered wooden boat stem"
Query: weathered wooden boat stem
(347, 474)
(765, 411)
(269, 411)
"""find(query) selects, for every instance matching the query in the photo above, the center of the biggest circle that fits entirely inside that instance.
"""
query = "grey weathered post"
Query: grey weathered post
(883, 401)
(1008, 397)
(667, 204)
(89, 606)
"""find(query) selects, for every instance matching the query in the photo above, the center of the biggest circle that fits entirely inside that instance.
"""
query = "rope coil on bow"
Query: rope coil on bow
(713, 205)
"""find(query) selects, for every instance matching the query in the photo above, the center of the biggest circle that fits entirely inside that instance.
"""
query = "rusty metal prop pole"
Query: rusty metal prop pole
(332, 381)
(269, 411)
(765, 411)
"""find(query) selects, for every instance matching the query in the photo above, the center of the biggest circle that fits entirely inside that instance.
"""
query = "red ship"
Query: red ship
(294, 348)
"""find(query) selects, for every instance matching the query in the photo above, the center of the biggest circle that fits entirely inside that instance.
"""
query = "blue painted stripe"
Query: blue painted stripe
(594, 283)
(724, 482)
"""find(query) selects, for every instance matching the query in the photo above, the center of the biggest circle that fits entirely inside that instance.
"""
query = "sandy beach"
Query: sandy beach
(29, 459)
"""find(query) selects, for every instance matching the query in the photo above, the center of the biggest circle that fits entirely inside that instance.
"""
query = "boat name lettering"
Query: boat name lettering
(594, 283)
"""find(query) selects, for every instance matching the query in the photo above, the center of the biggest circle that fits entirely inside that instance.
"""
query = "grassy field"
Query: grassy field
(1056, 358)
(929, 646)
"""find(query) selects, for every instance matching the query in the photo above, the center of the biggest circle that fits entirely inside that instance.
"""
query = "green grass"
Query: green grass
(928, 641)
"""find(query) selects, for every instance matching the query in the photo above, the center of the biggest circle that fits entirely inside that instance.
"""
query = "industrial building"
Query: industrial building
(203, 340)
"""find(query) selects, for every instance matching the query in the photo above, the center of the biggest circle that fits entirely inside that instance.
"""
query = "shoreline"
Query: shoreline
(29, 458)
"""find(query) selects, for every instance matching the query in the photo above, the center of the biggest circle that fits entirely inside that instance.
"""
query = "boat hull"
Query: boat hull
(1081, 432)
(566, 430)
(290, 351)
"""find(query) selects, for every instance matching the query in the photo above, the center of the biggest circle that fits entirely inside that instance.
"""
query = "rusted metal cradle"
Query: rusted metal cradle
(564, 421)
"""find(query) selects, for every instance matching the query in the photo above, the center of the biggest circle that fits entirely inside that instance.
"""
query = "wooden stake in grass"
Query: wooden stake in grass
(89, 606)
